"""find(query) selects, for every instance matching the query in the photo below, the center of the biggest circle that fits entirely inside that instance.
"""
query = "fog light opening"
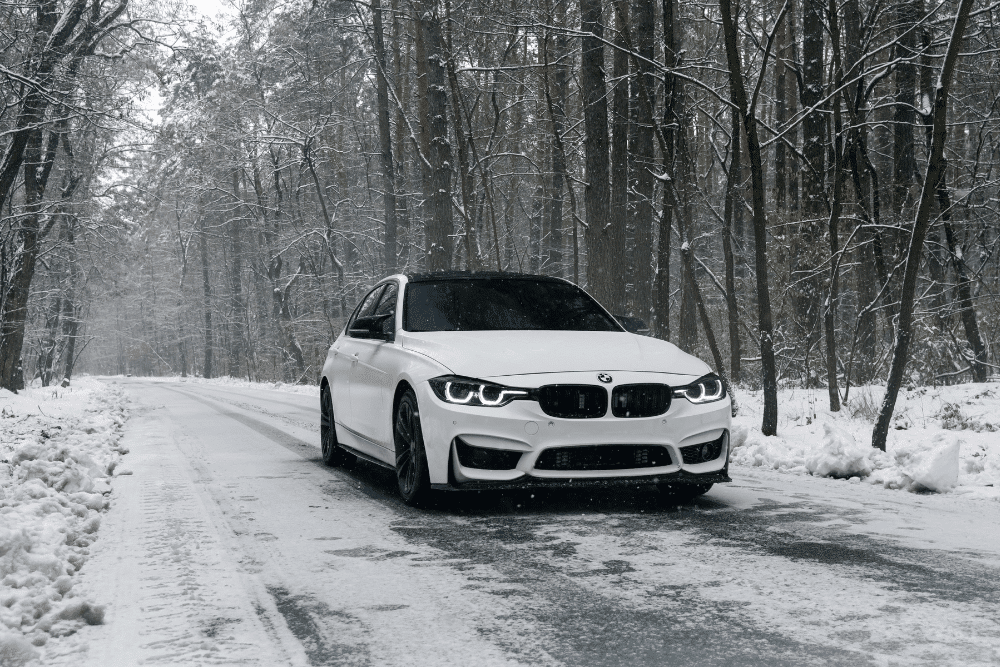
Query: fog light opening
(482, 458)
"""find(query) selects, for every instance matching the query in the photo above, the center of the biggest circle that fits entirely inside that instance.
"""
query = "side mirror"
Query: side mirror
(373, 327)
(633, 324)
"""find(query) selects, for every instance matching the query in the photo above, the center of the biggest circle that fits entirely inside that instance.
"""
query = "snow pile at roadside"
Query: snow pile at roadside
(227, 381)
(58, 447)
(943, 439)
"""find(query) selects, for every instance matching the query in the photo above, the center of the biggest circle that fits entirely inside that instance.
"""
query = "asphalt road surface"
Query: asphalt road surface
(231, 543)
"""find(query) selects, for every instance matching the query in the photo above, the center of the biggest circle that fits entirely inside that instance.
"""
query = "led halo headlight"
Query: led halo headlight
(706, 389)
(469, 391)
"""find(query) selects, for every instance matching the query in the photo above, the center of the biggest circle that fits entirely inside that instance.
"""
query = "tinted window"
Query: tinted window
(500, 304)
(387, 305)
(366, 307)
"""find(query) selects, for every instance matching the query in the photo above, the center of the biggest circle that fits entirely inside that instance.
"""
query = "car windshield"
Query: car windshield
(498, 304)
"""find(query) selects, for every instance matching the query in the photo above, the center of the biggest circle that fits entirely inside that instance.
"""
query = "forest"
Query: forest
(802, 193)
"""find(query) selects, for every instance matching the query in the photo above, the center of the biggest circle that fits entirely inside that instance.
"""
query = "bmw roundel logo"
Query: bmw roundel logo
(605, 378)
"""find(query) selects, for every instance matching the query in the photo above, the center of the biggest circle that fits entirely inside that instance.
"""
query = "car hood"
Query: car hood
(485, 354)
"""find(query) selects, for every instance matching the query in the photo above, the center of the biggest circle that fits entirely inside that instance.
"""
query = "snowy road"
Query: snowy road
(232, 544)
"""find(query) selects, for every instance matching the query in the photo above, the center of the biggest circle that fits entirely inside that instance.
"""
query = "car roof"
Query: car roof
(477, 275)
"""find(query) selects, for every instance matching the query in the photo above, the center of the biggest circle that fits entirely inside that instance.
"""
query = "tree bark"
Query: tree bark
(672, 91)
(206, 286)
(385, 141)
(558, 118)
(769, 424)
(597, 195)
(614, 253)
(642, 152)
(935, 170)
(437, 181)
(966, 309)
(806, 256)
(39, 156)
(238, 342)
(732, 201)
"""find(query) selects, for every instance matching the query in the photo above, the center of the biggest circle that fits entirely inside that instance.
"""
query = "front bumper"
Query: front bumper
(522, 427)
(528, 482)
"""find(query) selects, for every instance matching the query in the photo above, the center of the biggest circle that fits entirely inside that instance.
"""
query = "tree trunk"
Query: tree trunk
(238, 343)
(402, 94)
(672, 91)
(733, 200)
(385, 140)
(207, 370)
(615, 256)
(38, 159)
(782, 74)
(558, 118)
(935, 170)
(907, 14)
(806, 255)
(966, 309)
(437, 181)
(597, 195)
(769, 424)
(706, 323)
(642, 152)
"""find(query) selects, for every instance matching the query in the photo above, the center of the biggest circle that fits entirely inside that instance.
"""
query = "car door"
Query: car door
(370, 379)
(345, 355)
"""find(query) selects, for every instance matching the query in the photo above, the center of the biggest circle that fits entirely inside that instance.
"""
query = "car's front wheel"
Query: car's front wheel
(411, 459)
(333, 453)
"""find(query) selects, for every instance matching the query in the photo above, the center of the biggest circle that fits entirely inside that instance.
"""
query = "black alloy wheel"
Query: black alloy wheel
(411, 458)
(682, 493)
(333, 453)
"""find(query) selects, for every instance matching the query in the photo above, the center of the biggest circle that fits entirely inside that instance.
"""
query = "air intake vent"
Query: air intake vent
(707, 451)
(603, 457)
(640, 400)
(482, 458)
(573, 401)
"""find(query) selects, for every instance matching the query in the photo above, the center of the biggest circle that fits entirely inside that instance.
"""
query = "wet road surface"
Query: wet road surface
(232, 543)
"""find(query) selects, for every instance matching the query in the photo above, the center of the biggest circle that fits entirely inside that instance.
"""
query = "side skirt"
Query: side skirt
(366, 457)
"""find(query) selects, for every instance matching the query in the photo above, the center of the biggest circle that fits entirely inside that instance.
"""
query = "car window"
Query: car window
(491, 304)
(366, 308)
(387, 304)
(368, 305)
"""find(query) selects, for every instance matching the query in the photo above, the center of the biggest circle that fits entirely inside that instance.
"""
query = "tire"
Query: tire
(333, 453)
(412, 476)
(682, 492)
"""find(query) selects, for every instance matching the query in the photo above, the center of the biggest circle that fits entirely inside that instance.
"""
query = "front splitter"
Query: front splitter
(528, 482)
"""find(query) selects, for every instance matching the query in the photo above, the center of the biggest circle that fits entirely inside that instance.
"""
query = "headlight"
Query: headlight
(705, 389)
(467, 391)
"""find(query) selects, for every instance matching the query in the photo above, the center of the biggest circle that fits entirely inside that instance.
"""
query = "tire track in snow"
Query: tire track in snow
(638, 582)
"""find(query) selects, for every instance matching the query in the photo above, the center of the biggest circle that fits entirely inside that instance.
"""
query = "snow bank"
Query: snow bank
(311, 389)
(928, 465)
(58, 449)
(839, 455)
(943, 439)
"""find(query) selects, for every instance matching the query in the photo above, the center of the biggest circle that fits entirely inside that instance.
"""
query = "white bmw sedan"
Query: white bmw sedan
(498, 380)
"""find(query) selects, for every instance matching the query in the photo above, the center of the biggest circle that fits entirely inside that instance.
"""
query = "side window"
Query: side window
(366, 307)
(387, 307)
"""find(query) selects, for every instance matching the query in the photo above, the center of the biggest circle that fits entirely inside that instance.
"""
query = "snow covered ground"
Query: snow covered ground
(944, 439)
(59, 449)
(236, 383)
(232, 544)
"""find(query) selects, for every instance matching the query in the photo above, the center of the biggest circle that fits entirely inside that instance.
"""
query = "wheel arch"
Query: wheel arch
(401, 386)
